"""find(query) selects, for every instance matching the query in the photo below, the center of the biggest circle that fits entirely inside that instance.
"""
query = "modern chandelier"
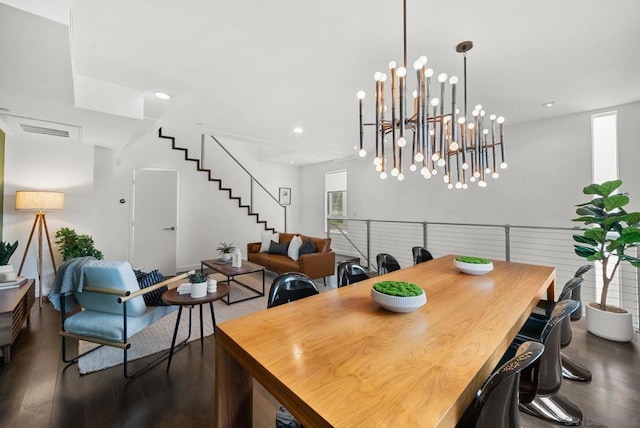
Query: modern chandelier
(465, 149)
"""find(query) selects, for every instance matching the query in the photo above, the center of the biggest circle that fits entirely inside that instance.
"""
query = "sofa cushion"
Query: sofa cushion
(294, 248)
(260, 258)
(308, 247)
(267, 238)
(152, 298)
(275, 248)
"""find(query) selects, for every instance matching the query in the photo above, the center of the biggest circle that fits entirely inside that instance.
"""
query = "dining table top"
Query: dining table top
(339, 359)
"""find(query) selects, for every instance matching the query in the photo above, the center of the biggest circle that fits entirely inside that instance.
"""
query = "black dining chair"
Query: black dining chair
(420, 255)
(577, 293)
(547, 377)
(290, 286)
(386, 263)
(496, 404)
(571, 369)
(350, 272)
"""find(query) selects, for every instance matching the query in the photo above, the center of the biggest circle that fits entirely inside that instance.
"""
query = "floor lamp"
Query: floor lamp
(39, 202)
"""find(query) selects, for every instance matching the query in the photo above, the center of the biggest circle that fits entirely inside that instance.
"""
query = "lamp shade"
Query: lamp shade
(39, 201)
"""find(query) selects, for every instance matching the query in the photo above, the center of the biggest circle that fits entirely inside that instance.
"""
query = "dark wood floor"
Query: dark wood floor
(37, 391)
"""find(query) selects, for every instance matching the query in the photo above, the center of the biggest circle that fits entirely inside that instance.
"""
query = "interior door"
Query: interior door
(155, 212)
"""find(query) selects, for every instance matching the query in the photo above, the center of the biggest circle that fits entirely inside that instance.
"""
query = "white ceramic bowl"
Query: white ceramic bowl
(397, 303)
(474, 268)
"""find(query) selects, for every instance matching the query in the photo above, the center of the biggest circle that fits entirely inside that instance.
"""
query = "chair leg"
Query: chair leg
(324, 279)
(573, 370)
(556, 408)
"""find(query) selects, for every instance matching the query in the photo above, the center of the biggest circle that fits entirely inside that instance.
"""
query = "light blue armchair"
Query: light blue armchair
(113, 309)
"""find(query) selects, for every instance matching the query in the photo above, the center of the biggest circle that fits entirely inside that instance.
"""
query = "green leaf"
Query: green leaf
(631, 218)
(589, 210)
(616, 201)
(630, 259)
(629, 236)
(613, 218)
(603, 189)
(586, 219)
(594, 257)
(583, 251)
(585, 240)
(596, 233)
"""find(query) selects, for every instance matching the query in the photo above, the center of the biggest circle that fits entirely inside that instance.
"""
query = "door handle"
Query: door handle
(169, 228)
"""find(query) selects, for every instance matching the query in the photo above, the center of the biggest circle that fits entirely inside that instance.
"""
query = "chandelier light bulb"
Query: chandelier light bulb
(423, 59)
(472, 179)
(360, 95)
(465, 165)
(402, 142)
(377, 161)
(432, 132)
(462, 120)
(442, 77)
(400, 177)
(458, 185)
(471, 125)
(453, 80)
(435, 157)
(412, 167)
(441, 162)
(428, 72)
(417, 64)
(482, 113)
(445, 178)
(434, 171)
(500, 120)
(492, 117)
(495, 175)
(383, 175)
(478, 107)
(377, 76)
(419, 157)
(383, 78)
(475, 113)
(392, 65)
(487, 170)
(453, 146)
(378, 168)
(395, 172)
(415, 93)
(449, 186)
(435, 101)
(503, 165)
(362, 153)
(425, 171)
(401, 72)
(482, 183)
(485, 131)
(465, 186)
(476, 174)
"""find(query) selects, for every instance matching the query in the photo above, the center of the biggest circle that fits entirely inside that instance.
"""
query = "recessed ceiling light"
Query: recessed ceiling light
(298, 130)
(290, 161)
(548, 104)
(162, 95)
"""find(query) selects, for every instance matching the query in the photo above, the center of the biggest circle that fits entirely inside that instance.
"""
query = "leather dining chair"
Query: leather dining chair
(496, 404)
(290, 286)
(577, 293)
(386, 263)
(350, 272)
(548, 403)
(420, 255)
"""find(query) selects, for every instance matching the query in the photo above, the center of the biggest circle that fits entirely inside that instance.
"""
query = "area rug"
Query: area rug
(157, 337)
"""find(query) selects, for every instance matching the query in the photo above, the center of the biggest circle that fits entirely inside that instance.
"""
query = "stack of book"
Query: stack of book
(184, 288)
(13, 284)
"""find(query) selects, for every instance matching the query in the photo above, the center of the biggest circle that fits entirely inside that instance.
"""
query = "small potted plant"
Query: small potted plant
(608, 233)
(398, 296)
(226, 251)
(198, 285)
(6, 270)
(473, 265)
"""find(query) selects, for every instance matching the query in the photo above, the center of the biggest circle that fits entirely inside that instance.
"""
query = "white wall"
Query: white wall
(45, 163)
(549, 164)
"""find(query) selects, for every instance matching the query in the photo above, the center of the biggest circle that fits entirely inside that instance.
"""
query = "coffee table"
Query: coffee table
(231, 272)
(172, 297)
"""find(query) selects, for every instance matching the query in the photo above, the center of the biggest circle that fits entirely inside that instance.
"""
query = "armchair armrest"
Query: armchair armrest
(318, 265)
(253, 247)
(155, 286)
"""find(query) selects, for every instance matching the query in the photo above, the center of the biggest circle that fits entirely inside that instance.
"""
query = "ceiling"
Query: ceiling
(255, 69)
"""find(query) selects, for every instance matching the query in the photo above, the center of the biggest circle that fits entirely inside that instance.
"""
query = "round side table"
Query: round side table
(172, 297)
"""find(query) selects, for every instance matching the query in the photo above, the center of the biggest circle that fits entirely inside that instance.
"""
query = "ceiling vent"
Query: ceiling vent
(45, 131)
(29, 127)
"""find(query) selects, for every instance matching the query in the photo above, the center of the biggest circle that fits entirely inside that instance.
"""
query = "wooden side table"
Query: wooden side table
(15, 307)
(173, 298)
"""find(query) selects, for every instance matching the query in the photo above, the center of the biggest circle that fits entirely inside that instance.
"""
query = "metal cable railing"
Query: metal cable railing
(213, 156)
(549, 246)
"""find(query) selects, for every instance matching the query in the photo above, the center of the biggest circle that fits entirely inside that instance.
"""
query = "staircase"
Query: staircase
(222, 168)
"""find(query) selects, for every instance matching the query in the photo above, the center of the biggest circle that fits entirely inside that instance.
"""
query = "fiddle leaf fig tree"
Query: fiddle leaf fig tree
(608, 231)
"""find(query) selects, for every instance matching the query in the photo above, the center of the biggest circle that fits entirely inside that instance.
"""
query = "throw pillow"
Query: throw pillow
(267, 238)
(153, 298)
(275, 248)
(294, 248)
(308, 247)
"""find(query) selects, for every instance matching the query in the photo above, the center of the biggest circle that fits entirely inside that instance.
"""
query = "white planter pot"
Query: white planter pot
(7, 274)
(610, 325)
(198, 290)
(226, 256)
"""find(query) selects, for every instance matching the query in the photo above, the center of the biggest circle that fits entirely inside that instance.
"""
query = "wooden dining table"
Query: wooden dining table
(339, 359)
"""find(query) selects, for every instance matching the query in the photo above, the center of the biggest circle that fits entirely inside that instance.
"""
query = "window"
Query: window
(335, 187)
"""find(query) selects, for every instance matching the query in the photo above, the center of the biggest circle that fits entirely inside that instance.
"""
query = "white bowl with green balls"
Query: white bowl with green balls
(398, 296)
(473, 265)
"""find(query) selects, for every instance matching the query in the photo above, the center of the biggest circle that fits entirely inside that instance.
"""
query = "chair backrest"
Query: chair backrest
(386, 263)
(582, 270)
(350, 272)
(550, 375)
(110, 274)
(290, 286)
(420, 255)
(496, 406)
(577, 293)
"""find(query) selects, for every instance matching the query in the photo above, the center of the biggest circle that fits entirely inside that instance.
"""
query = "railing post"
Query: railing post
(201, 150)
(507, 242)
(251, 197)
(368, 244)
(424, 234)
